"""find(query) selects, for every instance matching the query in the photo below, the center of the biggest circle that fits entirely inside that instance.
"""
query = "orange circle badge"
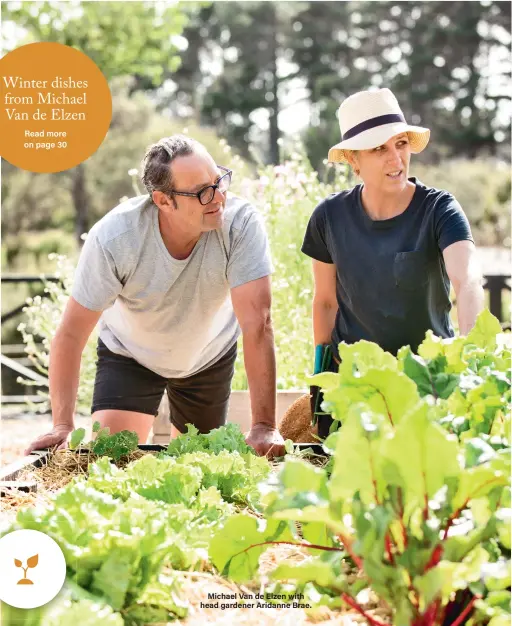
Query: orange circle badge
(55, 107)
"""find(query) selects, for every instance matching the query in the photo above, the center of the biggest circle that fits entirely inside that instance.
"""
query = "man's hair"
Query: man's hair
(156, 173)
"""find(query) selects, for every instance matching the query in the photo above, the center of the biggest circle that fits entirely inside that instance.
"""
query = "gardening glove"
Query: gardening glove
(323, 355)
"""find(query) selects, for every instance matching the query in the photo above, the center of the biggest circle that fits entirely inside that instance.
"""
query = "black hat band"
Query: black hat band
(380, 120)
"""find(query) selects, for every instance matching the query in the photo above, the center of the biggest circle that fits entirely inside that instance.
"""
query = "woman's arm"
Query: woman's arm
(325, 305)
(465, 275)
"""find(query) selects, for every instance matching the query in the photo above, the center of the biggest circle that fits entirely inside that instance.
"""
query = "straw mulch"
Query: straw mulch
(197, 585)
(62, 467)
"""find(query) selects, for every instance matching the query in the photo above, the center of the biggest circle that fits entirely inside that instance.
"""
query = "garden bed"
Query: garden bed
(407, 522)
(52, 471)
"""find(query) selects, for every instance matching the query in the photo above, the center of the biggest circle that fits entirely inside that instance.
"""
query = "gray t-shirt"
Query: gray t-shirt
(175, 317)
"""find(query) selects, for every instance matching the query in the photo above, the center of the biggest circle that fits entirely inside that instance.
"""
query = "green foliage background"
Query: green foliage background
(227, 73)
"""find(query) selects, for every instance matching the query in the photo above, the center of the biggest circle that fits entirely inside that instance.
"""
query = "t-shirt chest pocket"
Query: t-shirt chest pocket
(410, 270)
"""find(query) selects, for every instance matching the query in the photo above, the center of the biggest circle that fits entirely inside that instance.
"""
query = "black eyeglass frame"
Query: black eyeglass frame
(213, 187)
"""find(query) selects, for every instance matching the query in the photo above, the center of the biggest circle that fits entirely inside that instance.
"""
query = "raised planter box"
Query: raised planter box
(239, 412)
(9, 473)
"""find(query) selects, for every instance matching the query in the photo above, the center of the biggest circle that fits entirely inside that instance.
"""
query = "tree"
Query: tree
(237, 67)
(122, 38)
(442, 60)
(34, 203)
(439, 58)
(454, 77)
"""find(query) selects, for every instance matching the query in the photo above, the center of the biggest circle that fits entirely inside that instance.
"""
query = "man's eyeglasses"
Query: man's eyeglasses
(206, 194)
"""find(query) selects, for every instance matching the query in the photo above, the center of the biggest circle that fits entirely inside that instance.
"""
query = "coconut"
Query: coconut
(296, 422)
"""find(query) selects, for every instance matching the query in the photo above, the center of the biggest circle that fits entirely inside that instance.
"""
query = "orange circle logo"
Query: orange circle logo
(55, 109)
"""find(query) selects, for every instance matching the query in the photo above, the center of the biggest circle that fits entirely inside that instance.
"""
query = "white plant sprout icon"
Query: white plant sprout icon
(31, 562)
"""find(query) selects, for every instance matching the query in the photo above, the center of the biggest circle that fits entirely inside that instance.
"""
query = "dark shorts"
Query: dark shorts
(201, 399)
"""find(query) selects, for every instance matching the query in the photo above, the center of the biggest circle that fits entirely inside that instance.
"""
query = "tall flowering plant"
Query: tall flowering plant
(43, 315)
(286, 195)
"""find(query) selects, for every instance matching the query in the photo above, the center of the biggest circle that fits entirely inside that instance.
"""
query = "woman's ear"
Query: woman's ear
(353, 161)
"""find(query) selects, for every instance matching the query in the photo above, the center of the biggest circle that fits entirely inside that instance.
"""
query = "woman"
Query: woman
(385, 252)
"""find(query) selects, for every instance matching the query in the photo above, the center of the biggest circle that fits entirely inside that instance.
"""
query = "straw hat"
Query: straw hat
(368, 119)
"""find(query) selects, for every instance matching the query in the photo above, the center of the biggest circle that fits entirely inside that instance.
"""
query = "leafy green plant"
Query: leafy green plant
(469, 380)
(114, 549)
(83, 611)
(228, 438)
(71, 606)
(76, 438)
(421, 511)
(114, 446)
(232, 476)
(119, 528)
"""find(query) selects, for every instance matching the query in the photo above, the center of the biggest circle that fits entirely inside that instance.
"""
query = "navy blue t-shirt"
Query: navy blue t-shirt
(391, 280)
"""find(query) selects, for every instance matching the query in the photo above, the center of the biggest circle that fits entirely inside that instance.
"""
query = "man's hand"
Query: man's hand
(266, 440)
(56, 437)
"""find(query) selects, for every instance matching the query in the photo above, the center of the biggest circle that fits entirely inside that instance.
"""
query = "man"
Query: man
(171, 278)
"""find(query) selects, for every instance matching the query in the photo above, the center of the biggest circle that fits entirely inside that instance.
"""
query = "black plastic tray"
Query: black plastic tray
(316, 448)
(36, 459)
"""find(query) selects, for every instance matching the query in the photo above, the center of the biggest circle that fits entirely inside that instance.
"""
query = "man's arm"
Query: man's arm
(252, 304)
(65, 355)
(464, 273)
(325, 305)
